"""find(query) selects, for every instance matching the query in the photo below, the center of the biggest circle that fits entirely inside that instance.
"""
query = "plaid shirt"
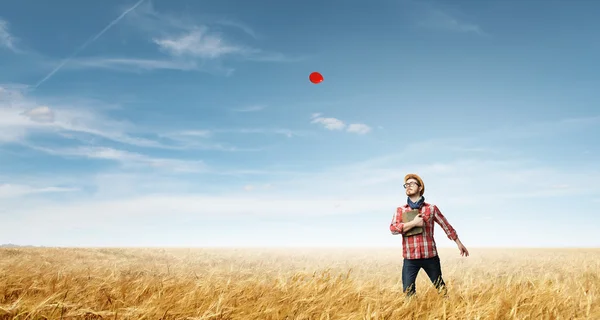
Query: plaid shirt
(421, 246)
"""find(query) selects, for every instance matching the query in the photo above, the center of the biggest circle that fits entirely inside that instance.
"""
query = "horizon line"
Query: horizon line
(8, 246)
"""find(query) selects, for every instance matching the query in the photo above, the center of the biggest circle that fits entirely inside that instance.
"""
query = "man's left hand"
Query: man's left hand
(463, 250)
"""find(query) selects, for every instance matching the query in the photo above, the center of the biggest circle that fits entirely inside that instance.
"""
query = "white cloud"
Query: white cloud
(462, 184)
(15, 190)
(337, 124)
(40, 114)
(186, 44)
(22, 117)
(198, 43)
(360, 188)
(191, 44)
(188, 52)
(359, 128)
(6, 39)
(329, 123)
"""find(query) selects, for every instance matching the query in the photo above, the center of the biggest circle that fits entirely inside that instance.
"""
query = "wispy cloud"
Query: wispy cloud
(359, 128)
(201, 43)
(541, 128)
(87, 43)
(250, 187)
(128, 158)
(7, 40)
(475, 179)
(438, 19)
(462, 181)
(134, 65)
(363, 187)
(286, 132)
(337, 124)
(41, 114)
(190, 133)
(253, 108)
(239, 25)
(198, 43)
(329, 123)
(199, 139)
(186, 45)
(22, 117)
(195, 134)
(18, 190)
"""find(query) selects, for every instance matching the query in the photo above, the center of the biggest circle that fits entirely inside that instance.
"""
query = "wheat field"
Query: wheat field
(107, 283)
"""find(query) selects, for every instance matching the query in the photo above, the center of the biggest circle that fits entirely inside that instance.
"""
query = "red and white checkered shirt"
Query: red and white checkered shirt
(421, 246)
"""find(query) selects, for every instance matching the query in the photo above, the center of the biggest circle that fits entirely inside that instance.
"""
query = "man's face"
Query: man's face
(412, 187)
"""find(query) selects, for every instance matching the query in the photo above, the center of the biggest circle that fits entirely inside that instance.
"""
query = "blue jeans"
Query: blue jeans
(411, 268)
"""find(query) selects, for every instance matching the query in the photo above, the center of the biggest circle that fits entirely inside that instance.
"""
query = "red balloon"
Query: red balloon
(316, 77)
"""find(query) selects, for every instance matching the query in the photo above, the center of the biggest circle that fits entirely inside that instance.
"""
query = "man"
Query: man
(419, 250)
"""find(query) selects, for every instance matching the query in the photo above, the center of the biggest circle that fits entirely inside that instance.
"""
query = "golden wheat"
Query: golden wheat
(319, 284)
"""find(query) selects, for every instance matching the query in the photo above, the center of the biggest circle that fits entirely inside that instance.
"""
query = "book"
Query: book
(409, 216)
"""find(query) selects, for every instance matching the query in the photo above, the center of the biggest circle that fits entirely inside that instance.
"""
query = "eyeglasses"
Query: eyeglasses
(406, 185)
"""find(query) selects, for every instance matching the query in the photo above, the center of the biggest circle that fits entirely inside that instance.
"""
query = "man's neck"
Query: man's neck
(414, 199)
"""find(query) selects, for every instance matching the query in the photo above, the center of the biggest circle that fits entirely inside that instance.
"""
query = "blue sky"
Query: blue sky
(176, 123)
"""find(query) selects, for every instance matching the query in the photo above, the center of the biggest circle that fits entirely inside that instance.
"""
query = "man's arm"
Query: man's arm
(397, 226)
(450, 232)
(439, 218)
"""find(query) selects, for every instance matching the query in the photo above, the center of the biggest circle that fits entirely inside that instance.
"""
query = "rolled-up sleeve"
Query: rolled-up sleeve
(441, 220)
(396, 226)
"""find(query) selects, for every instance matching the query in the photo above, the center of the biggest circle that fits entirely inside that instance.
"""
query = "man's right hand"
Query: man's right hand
(418, 221)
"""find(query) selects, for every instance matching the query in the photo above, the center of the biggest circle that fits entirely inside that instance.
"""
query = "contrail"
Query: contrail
(87, 43)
